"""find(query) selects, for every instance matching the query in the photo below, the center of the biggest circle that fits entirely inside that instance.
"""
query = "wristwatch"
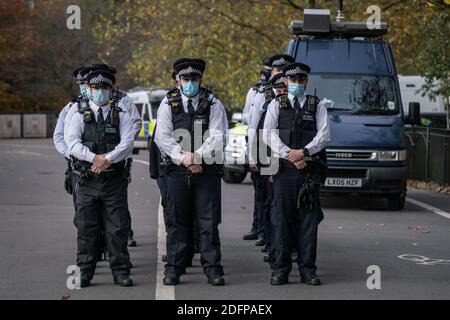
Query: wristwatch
(306, 152)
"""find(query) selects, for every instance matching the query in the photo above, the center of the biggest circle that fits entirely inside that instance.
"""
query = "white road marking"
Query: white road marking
(162, 292)
(428, 207)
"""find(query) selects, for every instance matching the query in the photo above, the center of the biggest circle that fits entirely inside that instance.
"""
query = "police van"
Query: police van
(147, 102)
(353, 71)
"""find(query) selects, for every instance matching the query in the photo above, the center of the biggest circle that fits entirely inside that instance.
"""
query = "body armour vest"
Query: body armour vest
(184, 120)
(297, 128)
(101, 139)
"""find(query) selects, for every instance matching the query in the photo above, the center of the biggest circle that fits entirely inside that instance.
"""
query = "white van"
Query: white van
(147, 102)
(410, 89)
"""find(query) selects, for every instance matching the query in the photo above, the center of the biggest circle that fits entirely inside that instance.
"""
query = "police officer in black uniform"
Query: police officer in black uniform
(303, 134)
(100, 139)
(194, 157)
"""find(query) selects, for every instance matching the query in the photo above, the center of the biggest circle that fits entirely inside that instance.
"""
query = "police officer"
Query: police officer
(120, 99)
(246, 119)
(193, 172)
(303, 132)
(101, 138)
(58, 134)
(261, 101)
(258, 150)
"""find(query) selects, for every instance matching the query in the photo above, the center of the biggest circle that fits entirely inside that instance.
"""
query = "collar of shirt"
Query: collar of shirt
(301, 100)
(95, 108)
(194, 101)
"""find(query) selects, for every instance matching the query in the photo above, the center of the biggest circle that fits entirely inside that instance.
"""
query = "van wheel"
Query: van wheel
(233, 176)
(396, 202)
(135, 151)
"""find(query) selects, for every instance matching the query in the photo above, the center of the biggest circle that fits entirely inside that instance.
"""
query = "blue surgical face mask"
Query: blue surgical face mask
(296, 89)
(190, 88)
(84, 91)
(100, 97)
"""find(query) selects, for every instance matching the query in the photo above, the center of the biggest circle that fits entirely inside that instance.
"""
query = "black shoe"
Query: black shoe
(164, 258)
(265, 249)
(250, 236)
(124, 281)
(267, 258)
(216, 280)
(131, 242)
(260, 242)
(171, 280)
(85, 282)
(279, 280)
(311, 279)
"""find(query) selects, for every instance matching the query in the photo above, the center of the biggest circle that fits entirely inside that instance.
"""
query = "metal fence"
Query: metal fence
(428, 154)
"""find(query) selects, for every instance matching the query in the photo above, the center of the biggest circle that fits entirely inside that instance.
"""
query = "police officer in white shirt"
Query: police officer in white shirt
(193, 171)
(100, 139)
(303, 131)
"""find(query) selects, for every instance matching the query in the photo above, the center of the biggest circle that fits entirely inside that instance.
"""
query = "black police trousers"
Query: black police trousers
(263, 205)
(193, 198)
(102, 207)
(255, 222)
(293, 227)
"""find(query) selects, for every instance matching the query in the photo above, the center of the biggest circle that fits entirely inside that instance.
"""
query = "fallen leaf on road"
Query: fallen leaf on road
(65, 297)
(341, 227)
(414, 227)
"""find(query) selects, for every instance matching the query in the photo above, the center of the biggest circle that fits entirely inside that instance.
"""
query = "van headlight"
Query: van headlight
(392, 155)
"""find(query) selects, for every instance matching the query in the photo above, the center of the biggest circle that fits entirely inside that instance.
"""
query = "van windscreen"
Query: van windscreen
(357, 94)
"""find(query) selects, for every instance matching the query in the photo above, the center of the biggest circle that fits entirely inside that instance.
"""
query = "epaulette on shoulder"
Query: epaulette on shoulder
(83, 106)
(174, 99)
(283, 100)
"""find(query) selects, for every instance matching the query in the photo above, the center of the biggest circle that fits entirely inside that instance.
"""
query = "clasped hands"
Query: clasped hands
(295, 156)
(100, 164)
(189, 162)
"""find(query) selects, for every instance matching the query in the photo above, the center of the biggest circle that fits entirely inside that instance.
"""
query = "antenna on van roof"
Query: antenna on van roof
(340, 10)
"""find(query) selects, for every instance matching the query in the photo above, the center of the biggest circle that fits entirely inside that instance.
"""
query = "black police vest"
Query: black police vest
(297, 128)
(184, 120)
(101, 139)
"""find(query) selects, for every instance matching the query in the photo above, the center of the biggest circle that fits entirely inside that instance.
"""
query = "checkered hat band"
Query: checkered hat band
(99, 79)
(279, 62)
(189, 70)
(294, 72)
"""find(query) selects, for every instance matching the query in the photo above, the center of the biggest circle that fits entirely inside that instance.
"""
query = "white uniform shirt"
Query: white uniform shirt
(58, 134)
(318, 143)
(167, 144)
(125, 104)
(120, 152)
(246, 114)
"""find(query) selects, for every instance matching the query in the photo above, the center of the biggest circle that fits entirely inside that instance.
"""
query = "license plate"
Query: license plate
(343, 182)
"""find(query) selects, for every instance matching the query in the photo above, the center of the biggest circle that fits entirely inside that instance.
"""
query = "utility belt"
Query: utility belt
(287, 164)
(83, 169)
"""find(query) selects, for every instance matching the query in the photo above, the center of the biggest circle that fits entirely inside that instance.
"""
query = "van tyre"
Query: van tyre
(396, 201)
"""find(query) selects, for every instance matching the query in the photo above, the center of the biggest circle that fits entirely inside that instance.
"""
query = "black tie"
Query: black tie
(190, 107)
(100, 119)
(296, 105)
